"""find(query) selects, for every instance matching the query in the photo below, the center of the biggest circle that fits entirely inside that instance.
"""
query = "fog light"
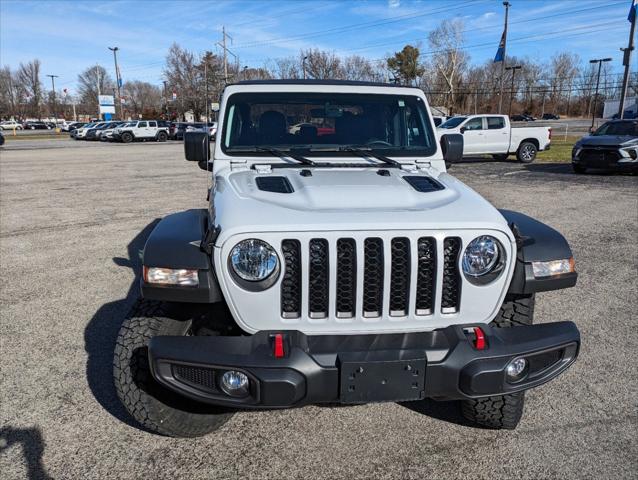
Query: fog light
(553, 267)
(516, 370)
(235, 383)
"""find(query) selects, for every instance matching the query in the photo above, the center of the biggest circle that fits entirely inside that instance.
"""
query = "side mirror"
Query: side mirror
(452, 146)
(462, 130)
(197, 149)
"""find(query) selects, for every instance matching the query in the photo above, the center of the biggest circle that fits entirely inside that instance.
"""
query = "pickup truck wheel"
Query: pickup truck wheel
(162, 137)
(156, 408)
(526, 152)
(503, 411)
(500, 157)
(127, 137)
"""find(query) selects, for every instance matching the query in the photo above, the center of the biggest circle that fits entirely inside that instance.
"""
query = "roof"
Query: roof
(292, 81)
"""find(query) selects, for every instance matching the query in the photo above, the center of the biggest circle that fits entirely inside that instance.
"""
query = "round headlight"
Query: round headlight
(481, 256)
(253, 260)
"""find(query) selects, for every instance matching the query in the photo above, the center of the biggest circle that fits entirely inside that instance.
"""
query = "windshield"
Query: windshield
(618, 128)
(453, 122)
(324, 123)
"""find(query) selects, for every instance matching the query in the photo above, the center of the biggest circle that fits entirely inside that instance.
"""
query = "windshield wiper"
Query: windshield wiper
(279, 153)
(274, 151)
(365, 152)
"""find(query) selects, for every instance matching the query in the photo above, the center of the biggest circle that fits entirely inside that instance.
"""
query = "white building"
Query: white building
(611, 106)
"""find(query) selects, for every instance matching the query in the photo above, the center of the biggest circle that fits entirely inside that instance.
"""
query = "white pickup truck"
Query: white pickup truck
(494, 135)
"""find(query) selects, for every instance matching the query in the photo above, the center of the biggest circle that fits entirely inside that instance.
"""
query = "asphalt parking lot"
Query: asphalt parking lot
(74, 216)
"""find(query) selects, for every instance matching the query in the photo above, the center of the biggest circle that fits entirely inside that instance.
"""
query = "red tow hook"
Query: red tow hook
(479, 341)
(278, 346)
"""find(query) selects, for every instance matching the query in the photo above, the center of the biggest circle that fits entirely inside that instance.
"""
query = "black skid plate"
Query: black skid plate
(381, 380)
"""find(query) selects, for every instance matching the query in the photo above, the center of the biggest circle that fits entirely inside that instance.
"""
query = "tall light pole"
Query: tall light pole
(53, 77)
(599, 61)
(303, 66)
(513, 69)
(117, 80)
(626, 61)
(500, 99)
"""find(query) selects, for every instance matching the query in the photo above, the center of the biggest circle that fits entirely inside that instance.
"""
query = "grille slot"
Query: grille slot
(291, 282)
(195, 376)
(451, 278)
(373, 268)
(426, 276)
(346, 277)
(400, 277)
(318, 276)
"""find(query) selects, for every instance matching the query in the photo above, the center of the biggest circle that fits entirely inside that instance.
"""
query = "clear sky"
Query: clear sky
(69, 36)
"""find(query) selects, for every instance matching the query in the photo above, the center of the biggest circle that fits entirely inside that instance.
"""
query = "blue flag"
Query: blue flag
(632, 11)
(500, 53)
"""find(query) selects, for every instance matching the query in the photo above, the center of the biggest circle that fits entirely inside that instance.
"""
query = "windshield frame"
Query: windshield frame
(332, 150)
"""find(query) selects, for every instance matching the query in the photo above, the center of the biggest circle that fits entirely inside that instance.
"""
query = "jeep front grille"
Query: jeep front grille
(385, 272)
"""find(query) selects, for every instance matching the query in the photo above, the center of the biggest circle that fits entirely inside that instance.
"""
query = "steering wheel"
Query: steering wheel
(379, 142)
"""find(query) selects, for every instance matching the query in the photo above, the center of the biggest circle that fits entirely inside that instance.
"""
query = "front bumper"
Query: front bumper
(603, 158)
(443, 364)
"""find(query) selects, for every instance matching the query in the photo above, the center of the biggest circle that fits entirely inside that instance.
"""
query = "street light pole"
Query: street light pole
(500, 100)
(599, 61)
(303, 66)
(513, 69)
(117, 80)
(53, 77)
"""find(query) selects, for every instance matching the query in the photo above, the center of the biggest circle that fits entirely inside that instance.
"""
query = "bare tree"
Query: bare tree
(448, 59)
(31, 86)
(142, 98)
(9, 93)
(91, 81)
(322, 65)
(359, 68)
(562, 71)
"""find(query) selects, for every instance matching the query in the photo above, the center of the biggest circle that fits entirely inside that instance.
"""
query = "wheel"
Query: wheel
(526, 152)
(155, 407)
(127, 137)
(503, 411)
(162, 136)
(578, 168)
(500, 157)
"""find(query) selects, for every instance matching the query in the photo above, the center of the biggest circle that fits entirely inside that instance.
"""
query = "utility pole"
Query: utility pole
(53, 77)
(226, 52)
(513, 69)
(599, 61)
(165, 99)
(303, 66)
(97, 74)
(626, 60)
(500, 100)
(118, 81)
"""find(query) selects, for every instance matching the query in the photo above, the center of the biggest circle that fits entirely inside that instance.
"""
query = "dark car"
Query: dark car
(96, 133)
(522, 118)
(613, 146)
(551, 116)
(36, 126)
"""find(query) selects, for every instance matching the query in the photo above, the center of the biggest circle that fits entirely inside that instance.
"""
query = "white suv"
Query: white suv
(141, 130)
(10, 125)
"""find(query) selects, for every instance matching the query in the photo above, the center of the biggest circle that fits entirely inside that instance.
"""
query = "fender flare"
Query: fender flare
(536, 242)
(175, 242)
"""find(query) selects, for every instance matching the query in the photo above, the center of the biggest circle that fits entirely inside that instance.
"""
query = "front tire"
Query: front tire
(152, 405)
(127, 137)
(526, 152)
(162, 137)
(503, 411)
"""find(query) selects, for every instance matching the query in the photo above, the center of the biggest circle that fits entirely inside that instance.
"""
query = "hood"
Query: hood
(607, 141)
(344, 199)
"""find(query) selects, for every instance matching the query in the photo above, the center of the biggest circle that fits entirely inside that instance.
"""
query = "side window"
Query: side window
(152, 124)
(474, 124)
(142, 125)
(495, 123)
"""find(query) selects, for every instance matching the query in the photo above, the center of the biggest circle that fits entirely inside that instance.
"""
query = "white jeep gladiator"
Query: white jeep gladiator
(338, 262)
(494, 135)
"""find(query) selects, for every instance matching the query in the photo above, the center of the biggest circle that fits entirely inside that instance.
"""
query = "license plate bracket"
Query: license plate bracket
(366, 380)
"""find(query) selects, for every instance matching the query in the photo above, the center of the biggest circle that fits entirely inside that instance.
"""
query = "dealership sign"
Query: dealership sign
(107, 103)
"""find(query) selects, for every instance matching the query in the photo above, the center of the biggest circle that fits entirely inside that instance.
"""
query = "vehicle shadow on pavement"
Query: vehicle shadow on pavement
(32, 444)
(446, 411)
(101, 332)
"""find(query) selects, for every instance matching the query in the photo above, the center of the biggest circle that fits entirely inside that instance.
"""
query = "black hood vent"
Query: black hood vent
(274, 184)
(423, 183)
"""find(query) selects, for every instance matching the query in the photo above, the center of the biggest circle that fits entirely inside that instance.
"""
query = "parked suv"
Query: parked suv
(142, 130)
(10, 125)
(347, 267)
